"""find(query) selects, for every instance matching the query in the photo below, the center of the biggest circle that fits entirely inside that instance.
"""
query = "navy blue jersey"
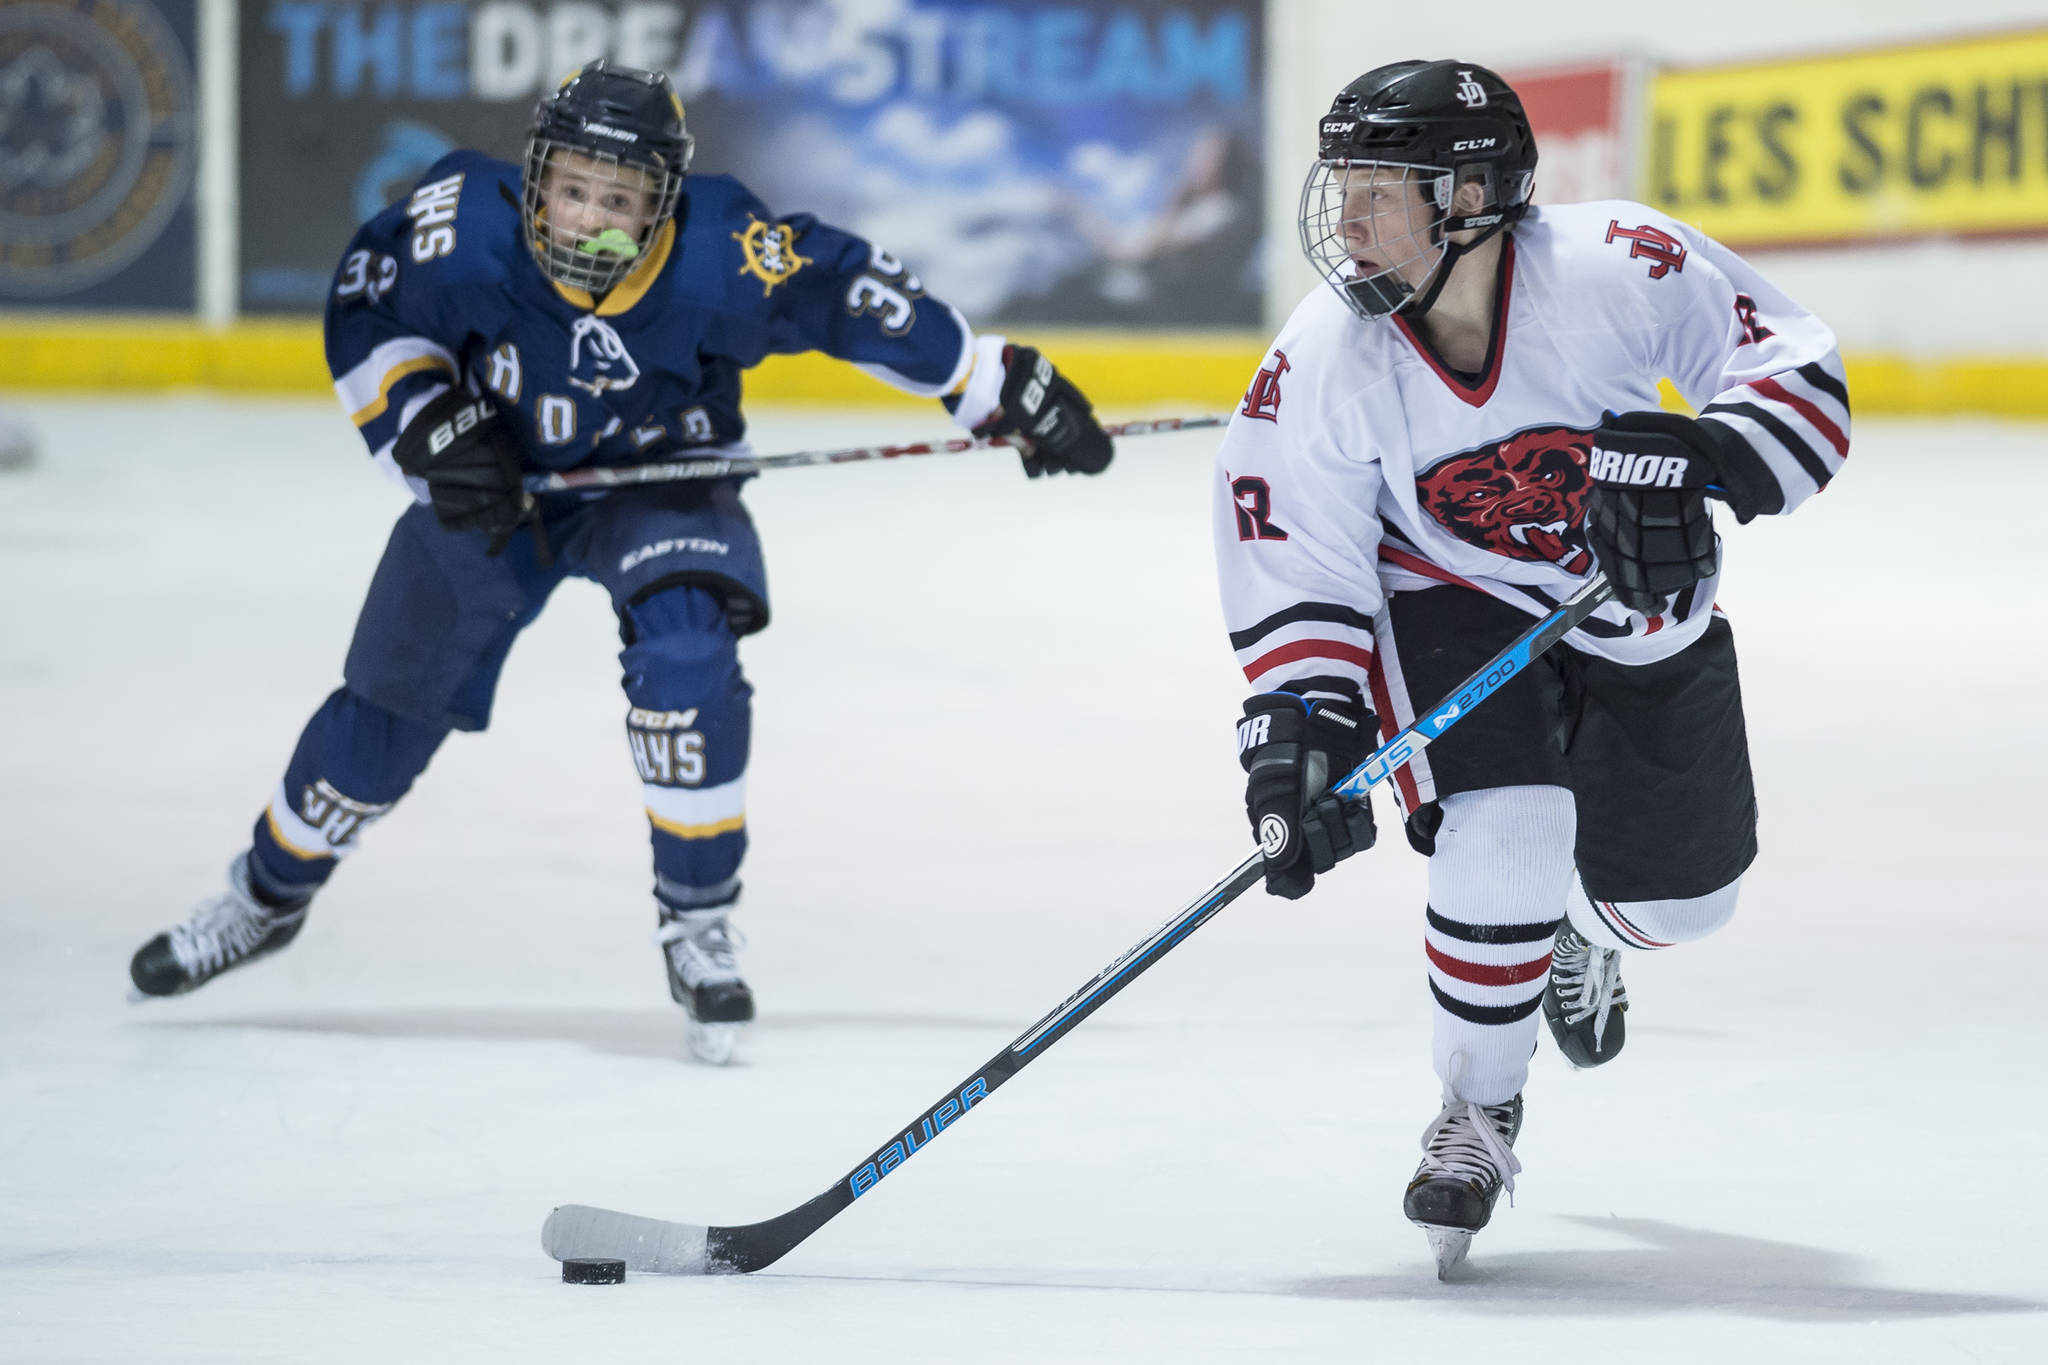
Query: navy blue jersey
(441, 288)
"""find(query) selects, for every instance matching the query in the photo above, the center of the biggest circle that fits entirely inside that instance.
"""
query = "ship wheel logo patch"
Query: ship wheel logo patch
(771, 253)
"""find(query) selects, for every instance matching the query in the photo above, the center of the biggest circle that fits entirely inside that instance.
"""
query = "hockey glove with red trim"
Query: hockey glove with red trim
(1042, 405)
(1292, 751)
(471, 467)
(1646, 516)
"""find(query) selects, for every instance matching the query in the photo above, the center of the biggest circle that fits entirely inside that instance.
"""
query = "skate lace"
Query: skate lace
(702, 950)
(1589, 981)
(1465, 1142)
(223, 930)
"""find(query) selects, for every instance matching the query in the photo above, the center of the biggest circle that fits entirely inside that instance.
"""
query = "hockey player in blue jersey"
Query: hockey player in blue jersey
(595, 309)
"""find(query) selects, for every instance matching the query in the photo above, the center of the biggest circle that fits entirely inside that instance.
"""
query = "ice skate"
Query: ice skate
(1584, 1001)
(224, 932)
(1468, 1158)
(704, 978)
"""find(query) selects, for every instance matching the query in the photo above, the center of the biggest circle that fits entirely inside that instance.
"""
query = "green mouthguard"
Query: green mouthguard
(611, 242)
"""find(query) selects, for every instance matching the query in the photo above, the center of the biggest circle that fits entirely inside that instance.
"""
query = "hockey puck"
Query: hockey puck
(593, 1271)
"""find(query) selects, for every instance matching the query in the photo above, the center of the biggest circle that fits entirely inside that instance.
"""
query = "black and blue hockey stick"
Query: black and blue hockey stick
(576, 1231)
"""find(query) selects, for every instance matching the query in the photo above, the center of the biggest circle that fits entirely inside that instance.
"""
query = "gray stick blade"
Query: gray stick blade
(648, 1246)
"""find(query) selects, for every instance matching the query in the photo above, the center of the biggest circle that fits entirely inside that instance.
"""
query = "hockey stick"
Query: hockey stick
(653, 1245)
(722, 468)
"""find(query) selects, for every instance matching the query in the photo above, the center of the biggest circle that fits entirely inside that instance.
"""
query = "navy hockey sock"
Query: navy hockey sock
(353, 762)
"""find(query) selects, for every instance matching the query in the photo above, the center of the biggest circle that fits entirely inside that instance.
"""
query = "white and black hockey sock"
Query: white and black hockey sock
(1649, 925)
(1502, 867)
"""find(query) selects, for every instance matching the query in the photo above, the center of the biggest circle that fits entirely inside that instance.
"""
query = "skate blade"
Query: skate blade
(1449, 1246)
(713, 1044)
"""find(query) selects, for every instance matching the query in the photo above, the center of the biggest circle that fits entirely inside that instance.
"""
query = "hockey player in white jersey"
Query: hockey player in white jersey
(1452, 433)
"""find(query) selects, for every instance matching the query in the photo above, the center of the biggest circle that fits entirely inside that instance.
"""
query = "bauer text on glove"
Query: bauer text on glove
(471, 466)
(1042, 405)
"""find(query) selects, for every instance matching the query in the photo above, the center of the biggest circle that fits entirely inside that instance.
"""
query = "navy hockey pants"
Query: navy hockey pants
(683, 568)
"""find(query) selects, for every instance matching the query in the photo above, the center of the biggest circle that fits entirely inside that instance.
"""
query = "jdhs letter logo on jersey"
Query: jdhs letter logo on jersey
(1471, 93)
(1262, 399)
(1646, 243)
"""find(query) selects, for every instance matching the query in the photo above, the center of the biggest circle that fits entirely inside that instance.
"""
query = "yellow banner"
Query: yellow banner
(1903, 142)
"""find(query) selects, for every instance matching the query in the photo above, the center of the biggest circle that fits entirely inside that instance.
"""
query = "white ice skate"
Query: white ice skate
(704, 978)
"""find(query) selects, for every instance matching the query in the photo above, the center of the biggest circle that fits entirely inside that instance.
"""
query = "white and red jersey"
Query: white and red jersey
(1358, 466)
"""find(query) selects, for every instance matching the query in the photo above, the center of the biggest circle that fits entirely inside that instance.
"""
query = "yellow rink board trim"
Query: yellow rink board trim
(1201, 371)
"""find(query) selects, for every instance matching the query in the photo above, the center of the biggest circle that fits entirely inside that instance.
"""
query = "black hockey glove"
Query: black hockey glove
(1055, 419)
(1292, 751)
(471, 466)
(1647, 517)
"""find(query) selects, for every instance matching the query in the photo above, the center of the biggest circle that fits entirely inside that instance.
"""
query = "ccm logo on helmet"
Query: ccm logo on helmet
(1475, 144)
(1640, 471)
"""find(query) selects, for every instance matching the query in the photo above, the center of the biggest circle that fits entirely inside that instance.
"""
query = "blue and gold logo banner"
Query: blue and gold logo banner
(98, 140)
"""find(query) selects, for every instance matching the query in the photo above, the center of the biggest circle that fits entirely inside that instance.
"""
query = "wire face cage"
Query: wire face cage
(591, 216)
(1375, 229)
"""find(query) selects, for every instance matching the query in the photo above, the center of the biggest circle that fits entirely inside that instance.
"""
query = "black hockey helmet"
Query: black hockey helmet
(606, 128)
(1433, 125)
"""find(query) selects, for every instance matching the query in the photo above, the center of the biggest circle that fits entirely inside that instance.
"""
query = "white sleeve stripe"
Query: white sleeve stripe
(981, 387)
(417, 401)
(366, 389)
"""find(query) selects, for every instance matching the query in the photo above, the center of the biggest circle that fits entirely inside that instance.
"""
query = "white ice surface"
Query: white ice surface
(992, 749)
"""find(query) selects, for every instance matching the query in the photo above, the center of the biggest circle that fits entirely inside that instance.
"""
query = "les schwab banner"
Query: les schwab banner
(1940, 139)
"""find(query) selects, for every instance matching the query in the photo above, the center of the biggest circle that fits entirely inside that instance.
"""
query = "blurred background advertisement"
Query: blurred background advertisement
(1584, 120)
(1944, 139)
(1034, 162)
